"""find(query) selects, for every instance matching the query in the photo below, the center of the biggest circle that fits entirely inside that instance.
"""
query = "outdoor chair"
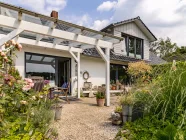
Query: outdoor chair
(38, 86)
(63, 91)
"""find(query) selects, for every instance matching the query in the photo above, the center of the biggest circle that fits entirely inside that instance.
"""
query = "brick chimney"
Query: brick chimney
(54, 14)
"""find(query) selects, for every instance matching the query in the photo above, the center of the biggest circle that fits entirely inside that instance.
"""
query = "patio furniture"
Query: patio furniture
(38, 86)
(36, 78)
(60, 90)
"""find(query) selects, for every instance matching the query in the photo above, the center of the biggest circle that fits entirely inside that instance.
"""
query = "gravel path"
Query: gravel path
(83, 120)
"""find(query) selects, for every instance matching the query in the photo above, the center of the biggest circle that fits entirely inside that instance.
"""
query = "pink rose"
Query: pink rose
(32, 84)
(3, 54)
(13, 42)
(19, 47)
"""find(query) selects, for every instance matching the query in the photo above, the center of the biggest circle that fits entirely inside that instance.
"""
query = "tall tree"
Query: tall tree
(163, 47)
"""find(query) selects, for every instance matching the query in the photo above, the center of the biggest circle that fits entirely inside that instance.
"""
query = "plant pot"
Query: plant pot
(116, 122)
(126, 113)
(113, 87)
(58, 112)
(100, 102)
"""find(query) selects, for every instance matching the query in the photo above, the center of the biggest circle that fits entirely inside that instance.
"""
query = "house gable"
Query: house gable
(132, 27)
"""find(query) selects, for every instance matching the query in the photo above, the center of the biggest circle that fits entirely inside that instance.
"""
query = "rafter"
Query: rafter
(10, 36)
(55, 33)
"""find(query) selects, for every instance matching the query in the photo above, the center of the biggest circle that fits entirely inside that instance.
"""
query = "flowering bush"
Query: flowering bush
(139, 70)
(24, 114)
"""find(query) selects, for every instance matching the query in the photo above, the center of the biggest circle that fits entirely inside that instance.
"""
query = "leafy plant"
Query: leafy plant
(127, 99)
(100, 95)
(118, 109)
(24, 114)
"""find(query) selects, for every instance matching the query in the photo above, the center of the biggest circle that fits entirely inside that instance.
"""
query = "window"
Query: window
(134, 46)
(119, 72)
(139, 48)
(36, 65)
(55, 69)
(131, 46)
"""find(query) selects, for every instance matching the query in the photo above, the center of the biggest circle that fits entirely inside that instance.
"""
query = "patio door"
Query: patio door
(63, 71)
(55, 69)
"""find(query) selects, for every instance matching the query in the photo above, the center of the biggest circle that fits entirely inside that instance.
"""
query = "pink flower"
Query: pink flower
(28, 80)
(19, 47)
(13, 42)
(32, 84)
(3, 54)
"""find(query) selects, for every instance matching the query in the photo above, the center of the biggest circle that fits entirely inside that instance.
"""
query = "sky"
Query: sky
(165, 18)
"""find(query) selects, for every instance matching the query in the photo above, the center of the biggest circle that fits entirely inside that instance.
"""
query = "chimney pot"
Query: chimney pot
(54, 14)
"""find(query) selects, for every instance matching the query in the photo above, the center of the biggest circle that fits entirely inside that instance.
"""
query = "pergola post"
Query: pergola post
(77, 58)
(106, 58)
(78, 75)
(107, 77)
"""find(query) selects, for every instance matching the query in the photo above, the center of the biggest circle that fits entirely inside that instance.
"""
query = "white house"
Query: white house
(58, 50)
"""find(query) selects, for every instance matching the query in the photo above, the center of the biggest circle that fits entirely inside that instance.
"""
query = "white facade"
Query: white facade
(95, 66)
(131, 29)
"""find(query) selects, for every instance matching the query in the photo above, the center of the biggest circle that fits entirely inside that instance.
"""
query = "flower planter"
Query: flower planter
(126, 113)
(58, 112)
(100, 102)
(113, 87)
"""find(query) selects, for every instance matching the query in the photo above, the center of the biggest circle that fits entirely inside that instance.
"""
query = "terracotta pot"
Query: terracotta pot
(100, 102)
(113, 87)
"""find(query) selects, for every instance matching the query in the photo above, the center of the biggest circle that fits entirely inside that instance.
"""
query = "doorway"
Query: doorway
(56, 70)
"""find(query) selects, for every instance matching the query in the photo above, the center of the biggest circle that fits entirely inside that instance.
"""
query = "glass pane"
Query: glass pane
(138, 48)
(36, 57)
(48, 59)
(28, 56)
(37, 67)
(131, 46)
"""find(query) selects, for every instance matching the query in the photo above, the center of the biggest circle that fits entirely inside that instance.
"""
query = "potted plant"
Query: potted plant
(58, 108)
(100, 98)
(117, 116)
(127, 102)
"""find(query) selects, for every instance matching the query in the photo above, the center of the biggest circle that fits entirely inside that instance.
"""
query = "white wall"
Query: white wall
(95, 66)
(96, 69)
(131, 29)
(20, 61)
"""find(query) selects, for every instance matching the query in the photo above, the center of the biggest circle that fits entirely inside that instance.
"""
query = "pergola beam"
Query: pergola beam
(10, 36)
(47, 31)
(47, 45)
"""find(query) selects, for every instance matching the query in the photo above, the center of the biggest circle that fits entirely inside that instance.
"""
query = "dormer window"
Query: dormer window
(134, 46)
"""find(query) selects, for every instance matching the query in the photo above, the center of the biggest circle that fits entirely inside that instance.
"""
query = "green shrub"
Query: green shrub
(164, 101)
(24, 114)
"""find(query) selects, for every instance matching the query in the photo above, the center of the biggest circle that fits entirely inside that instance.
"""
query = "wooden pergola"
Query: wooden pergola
(61, 35)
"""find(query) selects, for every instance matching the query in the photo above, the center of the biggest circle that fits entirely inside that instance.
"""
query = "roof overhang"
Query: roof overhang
(139, 23)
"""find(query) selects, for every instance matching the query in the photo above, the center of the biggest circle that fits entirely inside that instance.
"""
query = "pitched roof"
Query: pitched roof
(113, 56)
(155, 60)
(138, 22)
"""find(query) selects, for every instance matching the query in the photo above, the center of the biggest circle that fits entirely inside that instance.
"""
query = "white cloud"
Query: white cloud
(107, 6)
(86, 20)
(100, 24)
(40, 6)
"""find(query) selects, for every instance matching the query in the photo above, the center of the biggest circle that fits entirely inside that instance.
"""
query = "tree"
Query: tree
(163, 47)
